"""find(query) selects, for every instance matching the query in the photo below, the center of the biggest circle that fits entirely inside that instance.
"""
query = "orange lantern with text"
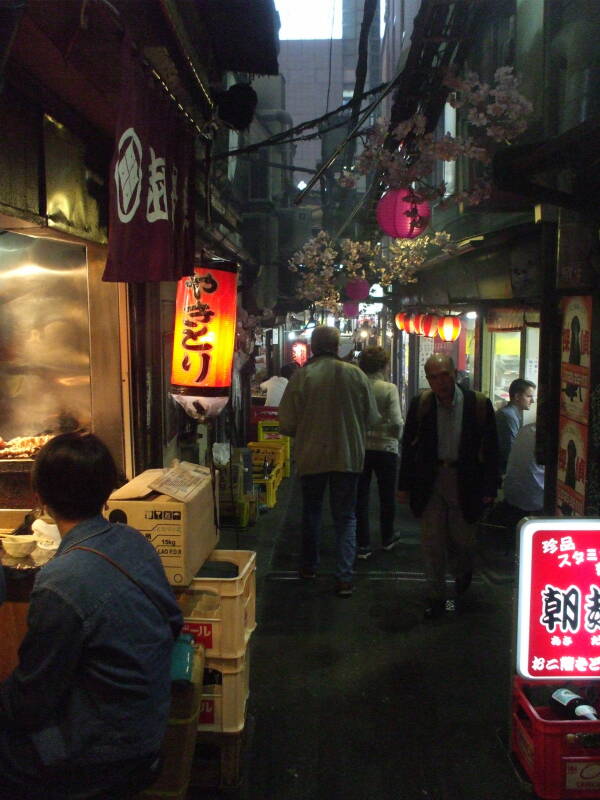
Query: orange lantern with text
(204, 335)
(429, 325)
(400, 320)
(449, 328)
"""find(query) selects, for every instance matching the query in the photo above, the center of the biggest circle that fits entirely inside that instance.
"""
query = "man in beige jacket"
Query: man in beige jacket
(327, 407)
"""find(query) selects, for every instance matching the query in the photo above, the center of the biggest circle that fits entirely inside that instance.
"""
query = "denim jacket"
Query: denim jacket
(93, 680)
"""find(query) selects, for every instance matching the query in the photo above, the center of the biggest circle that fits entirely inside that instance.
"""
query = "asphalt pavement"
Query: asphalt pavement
(359, 698)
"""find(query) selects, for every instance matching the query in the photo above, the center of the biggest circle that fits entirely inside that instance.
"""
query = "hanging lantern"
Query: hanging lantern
(417, 321)
(402, 214)
(449, 328)
(357, 289)
(409, 323)
(429, 325)
(400, 320)
(350, 308)
(204, 334)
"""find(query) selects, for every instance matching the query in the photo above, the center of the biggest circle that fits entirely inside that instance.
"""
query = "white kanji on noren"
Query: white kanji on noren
(128, 175)
(156, 207)
(174, 195)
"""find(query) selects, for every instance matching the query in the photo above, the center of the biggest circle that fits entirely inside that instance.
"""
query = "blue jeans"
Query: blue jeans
(342, 499)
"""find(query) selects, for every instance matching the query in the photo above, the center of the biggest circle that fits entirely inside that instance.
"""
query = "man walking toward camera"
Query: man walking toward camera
(448, 472)
(327, 407)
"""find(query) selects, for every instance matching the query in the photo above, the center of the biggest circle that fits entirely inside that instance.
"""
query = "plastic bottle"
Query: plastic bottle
(572, 705)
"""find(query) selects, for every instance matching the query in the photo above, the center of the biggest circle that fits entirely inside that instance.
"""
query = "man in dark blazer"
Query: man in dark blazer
(448, 473)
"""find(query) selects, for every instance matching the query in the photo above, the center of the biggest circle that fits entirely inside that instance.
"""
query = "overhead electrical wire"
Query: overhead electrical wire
(288, 136)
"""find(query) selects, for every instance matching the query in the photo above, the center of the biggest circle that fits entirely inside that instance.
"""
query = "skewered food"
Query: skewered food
(23, 446)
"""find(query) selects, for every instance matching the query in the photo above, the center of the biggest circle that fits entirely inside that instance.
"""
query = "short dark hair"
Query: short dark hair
(372, 359)
(518, 386)
(288, 370)
(324, 339)
(73, 474)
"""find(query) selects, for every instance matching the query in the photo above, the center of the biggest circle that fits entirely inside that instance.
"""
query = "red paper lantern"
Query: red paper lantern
(402, 214)
(204, 333)
(409, 323)
(400, 320)
(417, 321)
(429, 325)
(350, 308)
(357, 289)
(449, 328)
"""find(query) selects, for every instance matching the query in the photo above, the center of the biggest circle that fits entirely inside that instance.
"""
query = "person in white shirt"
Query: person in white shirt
(381, 454)
(275, 385)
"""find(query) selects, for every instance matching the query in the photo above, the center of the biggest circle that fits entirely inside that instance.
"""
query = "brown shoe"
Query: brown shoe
(344, 589)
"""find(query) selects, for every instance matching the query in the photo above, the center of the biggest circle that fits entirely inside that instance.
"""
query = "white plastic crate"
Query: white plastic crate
(224, 694)
(220, 613)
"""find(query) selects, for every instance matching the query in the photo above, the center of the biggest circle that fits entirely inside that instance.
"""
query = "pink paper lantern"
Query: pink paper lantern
(357, 289)
(350, 308)
(402, 214)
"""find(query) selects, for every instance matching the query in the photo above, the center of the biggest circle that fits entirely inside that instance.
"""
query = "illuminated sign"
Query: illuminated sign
(204, 333)
(558, 618)
(300, 353)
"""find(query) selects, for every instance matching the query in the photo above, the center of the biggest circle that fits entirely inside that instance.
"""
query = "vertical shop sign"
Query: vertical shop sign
(574, 405)
(299, 353)
(558, 617)
(204, 332)
(151, 210)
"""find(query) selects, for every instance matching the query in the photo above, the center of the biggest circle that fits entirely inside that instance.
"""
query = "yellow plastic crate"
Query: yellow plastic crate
(279, 446)
(220, 613)
(268, 430)
(224, 694)
(267, 487)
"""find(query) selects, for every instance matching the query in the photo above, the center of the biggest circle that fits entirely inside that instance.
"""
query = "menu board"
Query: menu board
(574, 405)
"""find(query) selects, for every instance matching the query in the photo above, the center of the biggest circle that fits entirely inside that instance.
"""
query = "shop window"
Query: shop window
(506, 363)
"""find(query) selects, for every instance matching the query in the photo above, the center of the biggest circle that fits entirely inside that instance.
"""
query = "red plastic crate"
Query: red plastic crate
(561, 757)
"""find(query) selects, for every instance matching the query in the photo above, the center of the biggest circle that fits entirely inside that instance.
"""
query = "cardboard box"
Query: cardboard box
(183, 533)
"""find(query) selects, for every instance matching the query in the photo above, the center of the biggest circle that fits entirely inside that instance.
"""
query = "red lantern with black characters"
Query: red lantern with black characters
(449, 328)
(403, 214)
(204, 333)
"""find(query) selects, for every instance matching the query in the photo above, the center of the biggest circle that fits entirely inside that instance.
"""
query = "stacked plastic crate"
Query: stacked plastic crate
(219, 609)
(237, 495)
(268, 467)
(268, 431)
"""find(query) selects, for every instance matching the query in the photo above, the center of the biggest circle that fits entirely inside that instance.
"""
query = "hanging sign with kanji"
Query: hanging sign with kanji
(204, 332)
(558, 615)
(151, 208)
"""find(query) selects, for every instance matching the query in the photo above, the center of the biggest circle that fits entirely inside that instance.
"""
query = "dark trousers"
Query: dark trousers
(385, 467)
(342, 500)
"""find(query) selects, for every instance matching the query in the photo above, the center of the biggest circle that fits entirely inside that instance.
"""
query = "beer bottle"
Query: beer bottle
(572, 705)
